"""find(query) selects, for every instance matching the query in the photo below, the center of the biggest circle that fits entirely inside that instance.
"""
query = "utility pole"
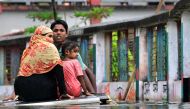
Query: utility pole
(54, 10)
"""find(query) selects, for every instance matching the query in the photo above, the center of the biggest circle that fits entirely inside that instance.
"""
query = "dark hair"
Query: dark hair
(62, 22)
(68, 45)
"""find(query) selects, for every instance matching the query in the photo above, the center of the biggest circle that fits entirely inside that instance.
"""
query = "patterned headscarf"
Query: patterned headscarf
(41, 55)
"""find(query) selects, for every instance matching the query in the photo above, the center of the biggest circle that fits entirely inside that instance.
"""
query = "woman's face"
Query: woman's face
(49, 37)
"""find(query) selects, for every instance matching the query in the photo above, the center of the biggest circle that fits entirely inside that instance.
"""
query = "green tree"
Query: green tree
(29, 30)
(95, 12)
(114, 65)
(45, 16)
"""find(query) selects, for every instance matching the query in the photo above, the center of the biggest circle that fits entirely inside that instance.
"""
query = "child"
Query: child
(73, 74)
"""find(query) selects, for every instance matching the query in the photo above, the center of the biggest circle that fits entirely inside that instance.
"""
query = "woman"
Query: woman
(40, 73)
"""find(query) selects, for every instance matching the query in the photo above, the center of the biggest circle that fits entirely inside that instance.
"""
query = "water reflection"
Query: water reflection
(113, 106)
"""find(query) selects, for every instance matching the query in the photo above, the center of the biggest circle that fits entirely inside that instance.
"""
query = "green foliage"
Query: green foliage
(95, 12)
(45, 16)
(115, 69)
(29, 30)
(90, 52)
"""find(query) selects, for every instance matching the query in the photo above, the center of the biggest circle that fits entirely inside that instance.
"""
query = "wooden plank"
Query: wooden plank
(149, 47)
(2, 67)
(123, 75)
(107, 54)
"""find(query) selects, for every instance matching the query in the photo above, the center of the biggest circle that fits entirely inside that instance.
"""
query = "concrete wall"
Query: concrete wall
(116, 90)
(155, 91)
(17, 20)
(186, 42)
(99, 40)
(172, 60)
(143, 54)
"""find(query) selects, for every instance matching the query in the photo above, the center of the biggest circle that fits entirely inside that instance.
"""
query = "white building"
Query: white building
(14, 12)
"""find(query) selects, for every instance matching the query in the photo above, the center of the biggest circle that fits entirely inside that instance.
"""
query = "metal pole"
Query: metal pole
(54, 9)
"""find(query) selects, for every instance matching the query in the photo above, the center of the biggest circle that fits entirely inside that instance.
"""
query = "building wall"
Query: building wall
(99, 40)
(159, 91)
(186, 42)
(143, 58)
(12, 21)
(173, 60)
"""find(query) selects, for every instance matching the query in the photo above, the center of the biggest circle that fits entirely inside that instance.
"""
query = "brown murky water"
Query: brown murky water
(107, 106)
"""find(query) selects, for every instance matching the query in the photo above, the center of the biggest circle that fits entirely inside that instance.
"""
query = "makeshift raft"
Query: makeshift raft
(95, 99)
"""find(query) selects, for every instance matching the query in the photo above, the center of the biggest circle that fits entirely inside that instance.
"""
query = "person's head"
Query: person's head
(70, 49)
(43, 33)
(40, 51)
(60, 30)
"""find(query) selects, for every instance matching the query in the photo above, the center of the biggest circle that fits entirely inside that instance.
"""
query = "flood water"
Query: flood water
(107, 106)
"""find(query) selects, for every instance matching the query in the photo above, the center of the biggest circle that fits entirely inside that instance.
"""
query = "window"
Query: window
(122, 59)
(157, 53)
